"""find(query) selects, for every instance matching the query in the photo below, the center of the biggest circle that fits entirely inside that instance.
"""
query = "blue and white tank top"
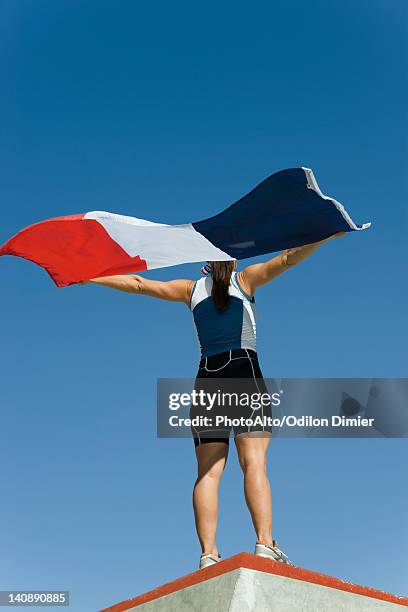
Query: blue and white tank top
(218, 331)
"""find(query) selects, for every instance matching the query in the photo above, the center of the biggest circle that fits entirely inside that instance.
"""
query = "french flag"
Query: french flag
(286, 210)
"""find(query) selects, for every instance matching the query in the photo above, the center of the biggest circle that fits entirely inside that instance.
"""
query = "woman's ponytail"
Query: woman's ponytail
(221, 275)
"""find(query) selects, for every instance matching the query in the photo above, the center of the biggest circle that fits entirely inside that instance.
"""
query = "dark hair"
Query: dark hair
(221, 274)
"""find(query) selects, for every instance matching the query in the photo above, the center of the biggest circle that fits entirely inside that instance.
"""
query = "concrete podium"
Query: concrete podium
(245, 583)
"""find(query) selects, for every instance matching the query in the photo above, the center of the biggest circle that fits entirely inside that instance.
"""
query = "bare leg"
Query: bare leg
(211, 459)
(252, 459)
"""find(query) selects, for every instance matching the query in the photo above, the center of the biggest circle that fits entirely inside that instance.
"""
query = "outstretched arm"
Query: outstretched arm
(257, 275)
(175, 290)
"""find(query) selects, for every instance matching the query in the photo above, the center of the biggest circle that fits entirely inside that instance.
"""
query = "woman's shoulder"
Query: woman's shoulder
(243, 283)
(199, 290)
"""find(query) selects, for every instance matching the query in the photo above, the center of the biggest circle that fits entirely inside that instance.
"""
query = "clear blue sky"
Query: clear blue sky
(171, 111)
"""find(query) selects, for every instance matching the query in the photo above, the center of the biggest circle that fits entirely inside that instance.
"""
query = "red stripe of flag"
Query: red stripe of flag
(92, 252)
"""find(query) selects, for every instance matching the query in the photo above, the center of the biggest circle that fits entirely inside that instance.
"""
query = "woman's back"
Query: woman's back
(223, 330)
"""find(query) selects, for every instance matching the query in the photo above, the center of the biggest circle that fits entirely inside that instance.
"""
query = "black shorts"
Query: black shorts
(214, 423)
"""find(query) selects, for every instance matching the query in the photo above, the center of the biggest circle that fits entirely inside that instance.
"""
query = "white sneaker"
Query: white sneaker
(207, 560)
(271, 552)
